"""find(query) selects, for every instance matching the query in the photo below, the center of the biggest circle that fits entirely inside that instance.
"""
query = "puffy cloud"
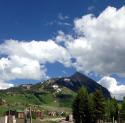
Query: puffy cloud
(62, 37)
(26, 60)
(43, 51)
(4, 85)
(20, 67)
(116, 90)
(100, 42)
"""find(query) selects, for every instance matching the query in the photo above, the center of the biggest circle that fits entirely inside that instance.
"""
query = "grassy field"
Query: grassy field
(44, 100)
(63, 99)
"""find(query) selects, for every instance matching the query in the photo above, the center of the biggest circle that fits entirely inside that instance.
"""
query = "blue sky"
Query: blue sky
(38, 20)
(29, 23)
(28, 20)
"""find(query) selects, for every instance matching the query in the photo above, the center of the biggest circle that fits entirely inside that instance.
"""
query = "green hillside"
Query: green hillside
(57, 93)
(47, 100)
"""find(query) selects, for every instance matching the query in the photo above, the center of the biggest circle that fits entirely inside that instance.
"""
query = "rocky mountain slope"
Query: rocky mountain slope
(73, 83)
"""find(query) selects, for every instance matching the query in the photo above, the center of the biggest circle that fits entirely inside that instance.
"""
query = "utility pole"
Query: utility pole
(118, 117)
(14, 119)
(113, 119)
(25, 115)
(30, 114)
(8, 120)
(5, 119)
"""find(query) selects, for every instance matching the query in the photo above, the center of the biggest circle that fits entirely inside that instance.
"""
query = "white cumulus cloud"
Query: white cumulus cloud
(42, 51)
(100, 42)
(26, 60)
(5, 85)
(116, 90)
(20, 67)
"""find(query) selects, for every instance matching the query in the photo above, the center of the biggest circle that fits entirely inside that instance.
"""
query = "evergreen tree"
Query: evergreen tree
(113, 109)
(84, 106)
(91, 115)
(123, 105)
(75, 107)
(99, 105)
(123, 108)
(81, 107)
(108, 108)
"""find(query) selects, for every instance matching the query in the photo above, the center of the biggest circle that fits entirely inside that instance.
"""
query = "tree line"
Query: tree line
(93, 107)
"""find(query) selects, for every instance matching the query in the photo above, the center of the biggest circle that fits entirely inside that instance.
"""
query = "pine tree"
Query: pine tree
(123, 108)
(75, 107)
(108, 108)
(91, 115)
(83, 107)
(99, 105)
(113, 108)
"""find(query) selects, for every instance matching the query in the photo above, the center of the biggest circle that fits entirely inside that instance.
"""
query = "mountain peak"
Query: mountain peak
(78, 76)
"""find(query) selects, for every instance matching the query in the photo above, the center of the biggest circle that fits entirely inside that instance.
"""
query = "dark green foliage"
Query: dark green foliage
(123, 108)
(111, 109)
(65, 100)
(91, 109)
(88, 108)
(33, 115)
(99, 104)
(76, 109)
(123, 105)
(114, 108)
(81, 107)
(84, 105)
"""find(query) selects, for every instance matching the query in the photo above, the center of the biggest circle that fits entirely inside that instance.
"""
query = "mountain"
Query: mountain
(75, 82)
(55, 93)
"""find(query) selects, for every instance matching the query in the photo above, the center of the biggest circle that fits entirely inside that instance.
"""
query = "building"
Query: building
(20, 114)
(38, 114)
(26, 86)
